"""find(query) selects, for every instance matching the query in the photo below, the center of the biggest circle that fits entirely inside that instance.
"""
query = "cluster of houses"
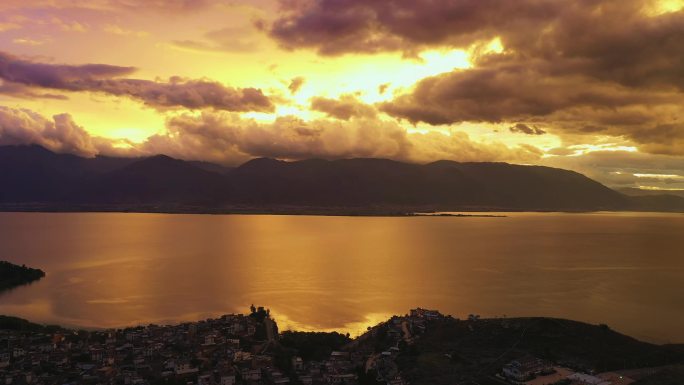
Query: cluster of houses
(232, 349)
(215, 351)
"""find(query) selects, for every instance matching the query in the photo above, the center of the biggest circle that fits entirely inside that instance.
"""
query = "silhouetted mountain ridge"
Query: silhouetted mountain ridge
(34, 175)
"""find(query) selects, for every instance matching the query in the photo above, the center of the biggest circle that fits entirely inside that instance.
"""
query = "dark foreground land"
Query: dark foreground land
(423, 347)
(13, 275)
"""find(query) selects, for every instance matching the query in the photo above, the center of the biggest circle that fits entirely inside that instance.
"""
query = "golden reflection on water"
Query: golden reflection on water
(346, 273)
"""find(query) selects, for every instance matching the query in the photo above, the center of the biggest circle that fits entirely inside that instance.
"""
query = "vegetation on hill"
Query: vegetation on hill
(452, 351)
(19, 324)
(315, 346)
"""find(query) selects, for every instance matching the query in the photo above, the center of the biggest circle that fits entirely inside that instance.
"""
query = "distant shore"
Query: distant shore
(369, 211)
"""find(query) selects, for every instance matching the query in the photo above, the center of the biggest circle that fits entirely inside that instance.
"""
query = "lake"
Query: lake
(345, 273)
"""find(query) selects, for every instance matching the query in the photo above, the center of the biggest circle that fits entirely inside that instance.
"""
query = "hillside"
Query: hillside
(445, 350)
(34, 178)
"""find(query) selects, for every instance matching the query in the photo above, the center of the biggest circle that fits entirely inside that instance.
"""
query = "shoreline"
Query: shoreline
(95, 329)
(342, 330)
(478, 212)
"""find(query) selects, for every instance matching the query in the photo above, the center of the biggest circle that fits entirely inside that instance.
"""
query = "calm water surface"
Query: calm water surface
(343, 273)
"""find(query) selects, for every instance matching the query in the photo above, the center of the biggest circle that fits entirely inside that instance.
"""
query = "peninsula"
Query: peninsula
(12, 275)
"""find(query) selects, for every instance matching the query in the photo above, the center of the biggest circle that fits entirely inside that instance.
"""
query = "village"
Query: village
(232, 349)
(237, 349)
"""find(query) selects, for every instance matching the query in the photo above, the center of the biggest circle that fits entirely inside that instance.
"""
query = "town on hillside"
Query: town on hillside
(249, 349)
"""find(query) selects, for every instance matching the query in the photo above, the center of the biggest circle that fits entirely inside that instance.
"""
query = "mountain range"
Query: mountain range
(32, 177)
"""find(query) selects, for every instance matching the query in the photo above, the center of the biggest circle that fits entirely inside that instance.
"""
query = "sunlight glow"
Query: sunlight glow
(355, 329)
(406, 74)
(375, 79)
(583, 149)
(654, 188)
(495, 46)
(134, 135)
(659, 176)
(660, 7)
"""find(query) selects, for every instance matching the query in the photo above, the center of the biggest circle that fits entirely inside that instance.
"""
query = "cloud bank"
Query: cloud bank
(174, 93)
(226, 138)
(345, 108)
(60, 134)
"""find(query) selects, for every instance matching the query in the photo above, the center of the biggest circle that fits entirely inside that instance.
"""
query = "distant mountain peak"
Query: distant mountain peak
(260, 163)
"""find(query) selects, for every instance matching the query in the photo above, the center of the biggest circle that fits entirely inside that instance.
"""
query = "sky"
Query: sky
(595, 86)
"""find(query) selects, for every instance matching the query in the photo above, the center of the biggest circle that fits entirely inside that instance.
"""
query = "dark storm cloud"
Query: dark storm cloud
(344, 108)
(17, 90)
(661, 139)
(512, 91)
(176, 92)
(610, 67)
(57, 76)
(608, 39)
(341, 26)
(522, 128)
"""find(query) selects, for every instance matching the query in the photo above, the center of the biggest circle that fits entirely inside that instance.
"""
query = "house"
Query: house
(96, 354)
(185, 368)
(276, 377)
(397, 381)
(205, 379)
(343, 379)
(525, 368)
(297, 364)
(4, 360)
(209, 340)
(18, 352)
(586, 379)
(228, 379)
(242, 356)
(425, 313)
(251, 374)
(339, 356)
